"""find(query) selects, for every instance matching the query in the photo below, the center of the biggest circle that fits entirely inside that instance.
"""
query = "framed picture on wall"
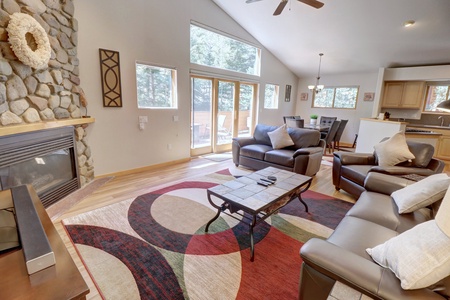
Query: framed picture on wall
(287, 95)
(369, 96)
(304, 96)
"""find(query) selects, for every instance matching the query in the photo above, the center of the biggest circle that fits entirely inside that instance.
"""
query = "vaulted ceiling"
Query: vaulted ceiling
(354, 35)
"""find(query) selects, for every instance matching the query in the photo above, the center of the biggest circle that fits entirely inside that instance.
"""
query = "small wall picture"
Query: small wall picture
(303, 96)
(287, 96)
(369, 96)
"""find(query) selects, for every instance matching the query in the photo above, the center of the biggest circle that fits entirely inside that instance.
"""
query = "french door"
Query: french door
(220, 110)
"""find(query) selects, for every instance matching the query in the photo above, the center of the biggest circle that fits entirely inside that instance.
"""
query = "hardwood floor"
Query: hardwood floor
(126, 186)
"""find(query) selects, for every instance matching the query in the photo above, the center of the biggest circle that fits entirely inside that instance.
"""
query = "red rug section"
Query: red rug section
(275, 273)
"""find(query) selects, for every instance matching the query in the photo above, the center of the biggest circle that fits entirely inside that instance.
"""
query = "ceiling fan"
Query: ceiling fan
(313, 3)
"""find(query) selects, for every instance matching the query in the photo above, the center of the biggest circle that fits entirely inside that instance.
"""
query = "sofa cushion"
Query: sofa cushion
(281, 157)
(422, 152)
(355, 173)
(393, 150)
(356, 235)
(304, 138)
(280, 138)
(260, 134)
(419, 257)
(382, 210)
(422, 193)
(255, 151)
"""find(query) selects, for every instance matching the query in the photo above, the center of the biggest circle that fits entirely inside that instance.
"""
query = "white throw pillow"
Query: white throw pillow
(393, 151)
(442, 217)
(422, 193)
(419, 257)
(280, 138)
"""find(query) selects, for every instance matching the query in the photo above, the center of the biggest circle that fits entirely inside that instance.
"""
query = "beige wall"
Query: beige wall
(154, 32)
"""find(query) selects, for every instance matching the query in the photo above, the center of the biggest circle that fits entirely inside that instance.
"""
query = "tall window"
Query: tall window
(436, 93)
(156, 86)
(336, 97)
(212, 49)
(271, 95)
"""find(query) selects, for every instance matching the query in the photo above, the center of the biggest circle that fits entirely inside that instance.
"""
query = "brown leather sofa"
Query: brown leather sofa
(256, 152)
(342, 257)
(350, 169)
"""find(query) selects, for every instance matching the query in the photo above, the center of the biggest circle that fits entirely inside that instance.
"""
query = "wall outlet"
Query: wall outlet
(143, 119)
(175, 118)
(169, 146)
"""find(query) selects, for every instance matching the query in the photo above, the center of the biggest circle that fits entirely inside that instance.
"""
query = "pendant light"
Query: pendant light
(318, 87)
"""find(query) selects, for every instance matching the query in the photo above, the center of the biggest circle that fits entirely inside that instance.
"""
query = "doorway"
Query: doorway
(220, 110)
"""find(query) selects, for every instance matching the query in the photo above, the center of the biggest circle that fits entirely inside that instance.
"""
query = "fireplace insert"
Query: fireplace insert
(45, 159)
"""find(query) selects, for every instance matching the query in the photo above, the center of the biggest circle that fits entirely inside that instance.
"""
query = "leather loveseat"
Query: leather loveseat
(373, 220)
(256, 152)
(350, 169)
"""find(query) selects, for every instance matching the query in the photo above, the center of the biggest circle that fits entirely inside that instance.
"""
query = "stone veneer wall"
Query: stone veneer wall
(30, 95)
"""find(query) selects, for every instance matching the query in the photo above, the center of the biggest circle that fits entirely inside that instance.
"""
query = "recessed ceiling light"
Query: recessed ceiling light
(409, 23)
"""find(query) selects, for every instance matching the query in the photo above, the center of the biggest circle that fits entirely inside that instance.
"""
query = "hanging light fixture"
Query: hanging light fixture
(318, 87)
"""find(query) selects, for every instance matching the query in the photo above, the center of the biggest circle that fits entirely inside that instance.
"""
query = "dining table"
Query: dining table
(319, 127)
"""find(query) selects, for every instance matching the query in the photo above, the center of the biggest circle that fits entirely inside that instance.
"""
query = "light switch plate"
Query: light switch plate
(143, 119)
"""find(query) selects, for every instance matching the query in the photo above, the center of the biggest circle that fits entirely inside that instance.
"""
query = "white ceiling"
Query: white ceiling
(354, 35)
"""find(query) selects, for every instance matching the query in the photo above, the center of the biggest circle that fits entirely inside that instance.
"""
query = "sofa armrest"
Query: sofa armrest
(384, 184)
(307, 151)
(357, 272)
(347, 158)
(244, 141)
(398, 170)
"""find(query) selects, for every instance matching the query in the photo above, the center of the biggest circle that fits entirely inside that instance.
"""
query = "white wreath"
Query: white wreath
(18, 27)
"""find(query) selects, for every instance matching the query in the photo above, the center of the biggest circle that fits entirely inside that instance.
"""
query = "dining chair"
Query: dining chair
(337, 137)
(295, 123)
(327, 121)
(291, 118)
(330, 136)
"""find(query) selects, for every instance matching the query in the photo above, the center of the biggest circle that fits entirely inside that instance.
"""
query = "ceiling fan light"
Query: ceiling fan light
(320, 87)
(409, 23)
(311, 87)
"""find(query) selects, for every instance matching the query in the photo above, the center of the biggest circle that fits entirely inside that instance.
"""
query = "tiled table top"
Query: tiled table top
(245, 191)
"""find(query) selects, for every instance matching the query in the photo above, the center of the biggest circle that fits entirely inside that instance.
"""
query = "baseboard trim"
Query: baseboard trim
(144, 169)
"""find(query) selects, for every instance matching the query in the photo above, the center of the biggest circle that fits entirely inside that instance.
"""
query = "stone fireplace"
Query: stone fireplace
(45, 159)
(47, 97)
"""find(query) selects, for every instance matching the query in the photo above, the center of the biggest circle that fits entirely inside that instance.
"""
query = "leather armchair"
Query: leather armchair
(350, 169)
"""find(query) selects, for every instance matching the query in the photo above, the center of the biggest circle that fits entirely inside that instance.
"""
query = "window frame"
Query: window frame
(257, 64)
(173, 101)
(334, 97)
(431, 84)
(276, 100)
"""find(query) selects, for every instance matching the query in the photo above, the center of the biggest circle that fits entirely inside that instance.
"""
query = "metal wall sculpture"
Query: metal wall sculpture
(110, 72)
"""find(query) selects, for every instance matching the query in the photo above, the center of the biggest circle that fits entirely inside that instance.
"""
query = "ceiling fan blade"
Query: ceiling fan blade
(313, 3)
(251, 1)
(280, 7)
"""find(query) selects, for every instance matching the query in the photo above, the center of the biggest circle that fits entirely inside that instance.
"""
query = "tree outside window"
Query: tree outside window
(156, 86)
(336, 97)
(436, 93)
(271, 96)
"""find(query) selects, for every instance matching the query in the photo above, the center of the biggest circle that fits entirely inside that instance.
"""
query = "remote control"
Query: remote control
(263, 183)
(267, 180)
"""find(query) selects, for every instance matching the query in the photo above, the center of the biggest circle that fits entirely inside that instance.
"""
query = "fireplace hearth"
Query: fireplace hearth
(45, 159)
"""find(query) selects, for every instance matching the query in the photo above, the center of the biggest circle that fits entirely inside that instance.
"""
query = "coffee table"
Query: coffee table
(244, 195)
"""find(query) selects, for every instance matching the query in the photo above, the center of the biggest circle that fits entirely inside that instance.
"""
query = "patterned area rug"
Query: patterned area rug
(155, 246)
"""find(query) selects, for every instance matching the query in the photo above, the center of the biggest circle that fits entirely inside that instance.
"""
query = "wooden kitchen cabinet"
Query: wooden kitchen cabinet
(403, 94)
(443, 147)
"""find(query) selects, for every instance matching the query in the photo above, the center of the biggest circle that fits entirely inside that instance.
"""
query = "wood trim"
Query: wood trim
(15, 129)
(145, 169)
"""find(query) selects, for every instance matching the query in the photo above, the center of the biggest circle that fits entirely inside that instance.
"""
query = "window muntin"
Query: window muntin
(156, 86)
(336, 97)
(209, 48)
(271, 96)
(436, 93)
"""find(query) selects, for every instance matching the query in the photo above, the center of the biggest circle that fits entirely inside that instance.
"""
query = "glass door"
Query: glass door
(221, 110)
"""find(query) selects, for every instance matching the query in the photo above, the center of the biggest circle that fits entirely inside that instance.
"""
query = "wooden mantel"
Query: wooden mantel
(21, 128)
